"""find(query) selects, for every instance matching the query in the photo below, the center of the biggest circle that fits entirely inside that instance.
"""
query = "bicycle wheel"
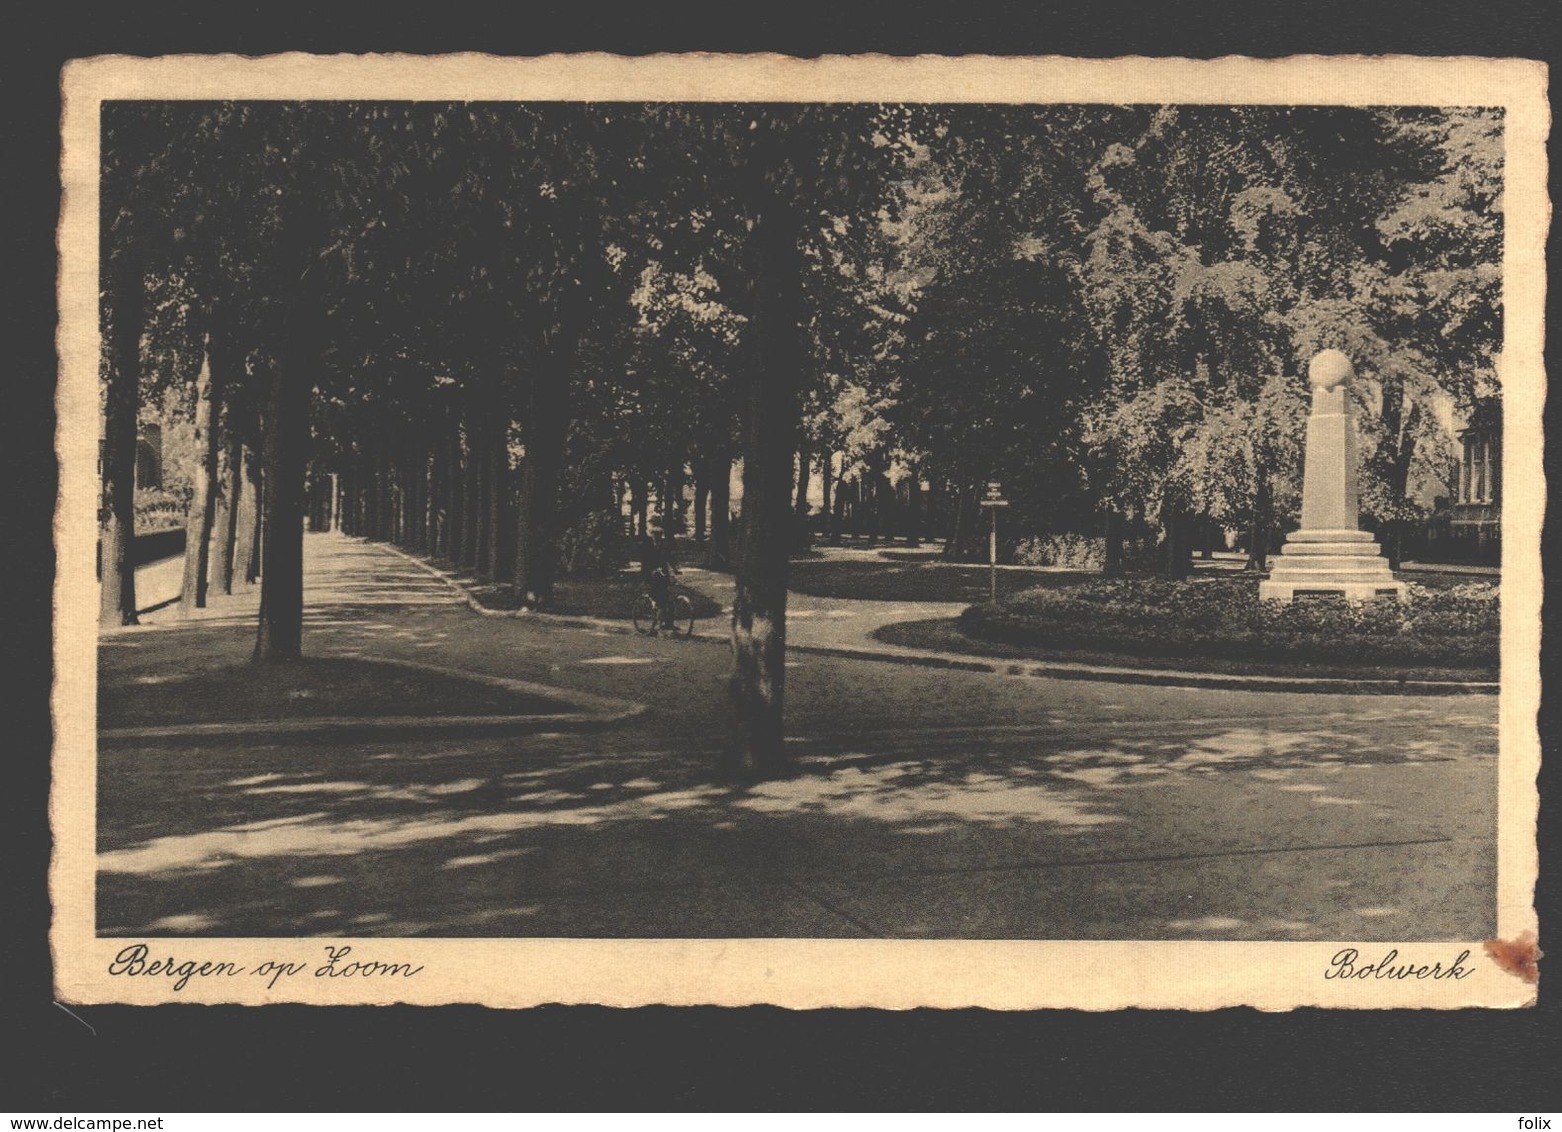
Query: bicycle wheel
(683, 616)
(645, 615)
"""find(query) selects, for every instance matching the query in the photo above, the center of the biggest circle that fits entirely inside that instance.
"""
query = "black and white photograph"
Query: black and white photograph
(686, 537)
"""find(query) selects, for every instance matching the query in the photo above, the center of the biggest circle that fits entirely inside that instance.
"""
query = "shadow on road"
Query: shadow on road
(554, 835)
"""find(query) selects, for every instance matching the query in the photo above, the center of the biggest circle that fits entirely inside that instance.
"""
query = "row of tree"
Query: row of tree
(492, 322)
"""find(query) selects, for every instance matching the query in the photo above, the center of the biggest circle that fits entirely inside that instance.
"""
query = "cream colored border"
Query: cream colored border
(800, 973)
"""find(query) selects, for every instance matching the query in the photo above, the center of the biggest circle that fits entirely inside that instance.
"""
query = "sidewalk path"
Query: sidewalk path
(343, 577)
(159, 583)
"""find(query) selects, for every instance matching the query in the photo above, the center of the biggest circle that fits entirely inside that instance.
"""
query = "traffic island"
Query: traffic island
(1439, 639)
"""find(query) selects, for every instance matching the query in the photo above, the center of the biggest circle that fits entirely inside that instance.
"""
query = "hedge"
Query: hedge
(1224, 618)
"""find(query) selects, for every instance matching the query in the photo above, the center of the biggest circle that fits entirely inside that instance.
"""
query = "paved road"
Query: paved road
(824, 621)
(932, 803)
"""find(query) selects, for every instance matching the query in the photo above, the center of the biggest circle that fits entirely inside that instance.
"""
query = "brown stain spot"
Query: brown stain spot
(1519, 957)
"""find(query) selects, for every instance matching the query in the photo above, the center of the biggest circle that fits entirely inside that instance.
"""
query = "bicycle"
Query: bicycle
(676, 620)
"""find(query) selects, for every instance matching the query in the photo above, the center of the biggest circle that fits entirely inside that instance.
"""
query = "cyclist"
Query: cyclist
(657, 570)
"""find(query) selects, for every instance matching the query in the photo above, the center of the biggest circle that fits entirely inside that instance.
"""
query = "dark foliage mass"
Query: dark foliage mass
(515, 336)
(1224, 618)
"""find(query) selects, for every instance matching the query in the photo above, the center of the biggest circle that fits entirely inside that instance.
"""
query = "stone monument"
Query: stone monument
(1330, 553)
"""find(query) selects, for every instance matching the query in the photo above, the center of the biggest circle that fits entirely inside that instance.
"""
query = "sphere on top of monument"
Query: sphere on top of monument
(1329, 369)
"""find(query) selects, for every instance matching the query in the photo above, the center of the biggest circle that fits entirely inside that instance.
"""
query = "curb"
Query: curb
(562, 620)
(466, 595)
(607, 708)
(1171, 678)
(1053, 670)
(345, 726)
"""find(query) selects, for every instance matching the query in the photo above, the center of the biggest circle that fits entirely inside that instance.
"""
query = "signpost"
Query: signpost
(992, 502)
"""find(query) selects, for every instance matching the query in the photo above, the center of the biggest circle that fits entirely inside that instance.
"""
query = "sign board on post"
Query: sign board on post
(993, 501)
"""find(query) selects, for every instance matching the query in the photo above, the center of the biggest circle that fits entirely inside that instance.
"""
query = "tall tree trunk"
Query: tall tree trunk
(676, 505)
(469, 500)
(1399, 484)
(392, 492)
(501, 557)
(256, 541)
(826, 475)
(229, 508)
(1258, 529)
(402, 473)
(776, 360)
(371, 488)
(437, 496)
(202, 517)
(718, 552)
(483, 565)
(363, 482)
(537, 518)
(455, 496)
(838, 510)
(408, 478)
(344, 496)
(127, 287)
(701, 496)
(804, 474)
(1112, 561)
(639, 505)
(280, 635)
(433, 493)
(349, 518)
(913, 509)
(245, 518)
(868, 490)
(312, 494)
(965, 504)
(385, 493)
(1178, 546)
(884, 507)
(423, 520)
(385, 476)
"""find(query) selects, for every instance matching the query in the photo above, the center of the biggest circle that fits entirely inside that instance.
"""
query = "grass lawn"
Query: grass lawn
(310, 689)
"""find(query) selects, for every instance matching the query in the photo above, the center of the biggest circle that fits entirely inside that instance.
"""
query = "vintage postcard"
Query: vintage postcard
(926, 532)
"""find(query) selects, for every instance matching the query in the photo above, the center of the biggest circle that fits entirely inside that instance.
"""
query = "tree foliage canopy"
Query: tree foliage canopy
(1096, 305)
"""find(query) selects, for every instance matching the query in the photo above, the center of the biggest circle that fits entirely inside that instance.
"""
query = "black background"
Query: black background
(191, 1058)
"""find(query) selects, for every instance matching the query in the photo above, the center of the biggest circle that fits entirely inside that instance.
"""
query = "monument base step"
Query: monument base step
(1331, 534)
(1369, 566)
(1291, 588)
(1307, 550)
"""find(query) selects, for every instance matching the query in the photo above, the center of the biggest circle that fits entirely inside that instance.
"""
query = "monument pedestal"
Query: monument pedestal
(1330, 554)
(1323, 561)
